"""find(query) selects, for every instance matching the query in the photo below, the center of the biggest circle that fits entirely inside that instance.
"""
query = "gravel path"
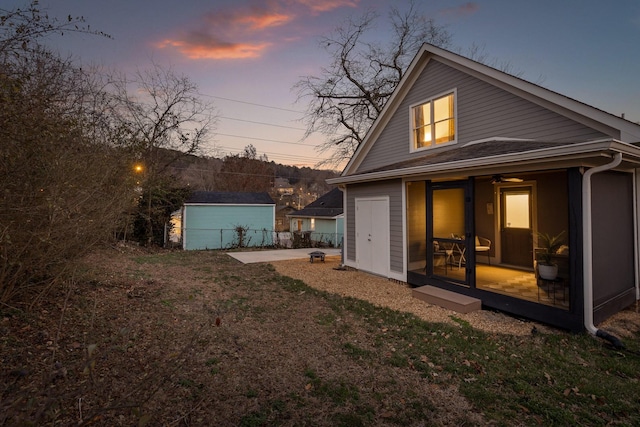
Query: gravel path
(384, 292)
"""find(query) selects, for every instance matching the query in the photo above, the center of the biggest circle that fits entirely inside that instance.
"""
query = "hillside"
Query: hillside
(238, 173)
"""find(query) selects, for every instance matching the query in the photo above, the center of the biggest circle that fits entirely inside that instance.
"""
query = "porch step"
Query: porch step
(447, 299)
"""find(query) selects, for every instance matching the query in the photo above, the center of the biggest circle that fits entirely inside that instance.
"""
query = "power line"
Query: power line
(263, 139)
(299, 179)
(293, 156)
(251, 103)
(260, 123)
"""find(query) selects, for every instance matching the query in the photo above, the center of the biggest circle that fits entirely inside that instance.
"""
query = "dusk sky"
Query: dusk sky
(246, 56)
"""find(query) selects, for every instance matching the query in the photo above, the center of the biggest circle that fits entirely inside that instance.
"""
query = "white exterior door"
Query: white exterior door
(372, 235)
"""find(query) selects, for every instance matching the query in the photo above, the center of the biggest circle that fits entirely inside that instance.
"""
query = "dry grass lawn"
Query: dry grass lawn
(199, 339)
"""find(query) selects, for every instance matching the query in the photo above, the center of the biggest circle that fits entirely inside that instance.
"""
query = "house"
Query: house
(283, 187)
(282, 220)
(462, 151)
(220, 220)
(323, 219)
(173, 234)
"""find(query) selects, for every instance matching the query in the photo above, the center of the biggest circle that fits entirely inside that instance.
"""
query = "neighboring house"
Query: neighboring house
(282, 220)
(323, 219)
(283, 187)
(464, 150)
(215, 220)
(174, 229)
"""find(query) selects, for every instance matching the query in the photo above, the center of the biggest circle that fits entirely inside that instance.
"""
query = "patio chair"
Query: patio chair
(444, 250)
(484, 245)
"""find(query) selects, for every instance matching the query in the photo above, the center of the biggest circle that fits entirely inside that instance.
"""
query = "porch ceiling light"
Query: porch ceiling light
(497, 179)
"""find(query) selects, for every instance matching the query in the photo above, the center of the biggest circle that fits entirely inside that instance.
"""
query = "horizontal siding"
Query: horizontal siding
(484, 111)
(393, 190)
(212, 227)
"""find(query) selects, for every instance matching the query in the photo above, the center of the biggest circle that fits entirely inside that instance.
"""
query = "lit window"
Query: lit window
(313, 224)
(433, 122)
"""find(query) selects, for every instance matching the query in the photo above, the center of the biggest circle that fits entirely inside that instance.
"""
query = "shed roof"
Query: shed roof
(230, 198)
(328, 205)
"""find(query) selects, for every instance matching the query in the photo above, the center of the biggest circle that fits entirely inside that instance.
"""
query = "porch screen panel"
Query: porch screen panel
(448, 213)
(416, 226)
(448, 233)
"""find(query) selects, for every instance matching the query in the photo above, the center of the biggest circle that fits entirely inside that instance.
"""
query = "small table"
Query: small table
(551, 287)
(316, 254)
(461, 251)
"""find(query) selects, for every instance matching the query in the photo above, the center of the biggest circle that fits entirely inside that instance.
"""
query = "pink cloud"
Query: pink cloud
(215, 49)
(463, 10)
(265, 20)
(328, 5)
(229, 34)
(247, 32)
(256, 18)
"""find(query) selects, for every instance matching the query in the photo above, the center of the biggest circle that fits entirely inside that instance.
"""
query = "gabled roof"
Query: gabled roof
(287, 208)
(628, 131)
(327, 206)
(230, 198)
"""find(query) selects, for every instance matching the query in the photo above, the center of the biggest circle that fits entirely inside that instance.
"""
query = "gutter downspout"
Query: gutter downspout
(587, 252)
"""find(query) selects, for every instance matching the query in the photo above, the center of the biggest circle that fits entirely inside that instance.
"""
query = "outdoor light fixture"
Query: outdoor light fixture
(498, 179)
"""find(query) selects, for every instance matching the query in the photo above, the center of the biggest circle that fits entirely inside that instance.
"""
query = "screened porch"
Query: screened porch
(481, 234)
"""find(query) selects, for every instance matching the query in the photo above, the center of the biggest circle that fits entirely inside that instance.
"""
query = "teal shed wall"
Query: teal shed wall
(213, 226)
(340, 229)
(325, 230)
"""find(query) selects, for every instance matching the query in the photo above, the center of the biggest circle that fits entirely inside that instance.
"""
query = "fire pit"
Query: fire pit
(316, 255)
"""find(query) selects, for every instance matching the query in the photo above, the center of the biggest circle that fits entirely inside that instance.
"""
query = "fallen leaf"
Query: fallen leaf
(91, 348)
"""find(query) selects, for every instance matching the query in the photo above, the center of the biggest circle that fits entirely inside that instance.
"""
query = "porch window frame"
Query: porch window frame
(432, 122)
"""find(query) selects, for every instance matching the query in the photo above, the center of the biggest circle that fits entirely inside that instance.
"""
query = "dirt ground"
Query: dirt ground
(200, 339)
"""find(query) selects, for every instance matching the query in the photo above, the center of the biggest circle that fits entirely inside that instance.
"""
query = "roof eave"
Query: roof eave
(315, 216)
(547, 158)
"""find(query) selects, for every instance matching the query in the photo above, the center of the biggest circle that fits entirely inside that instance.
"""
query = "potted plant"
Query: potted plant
(549, 245)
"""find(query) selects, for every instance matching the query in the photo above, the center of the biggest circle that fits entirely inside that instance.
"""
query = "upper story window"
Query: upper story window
(433, 122)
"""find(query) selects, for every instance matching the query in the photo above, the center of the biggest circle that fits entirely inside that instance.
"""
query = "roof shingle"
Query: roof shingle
(231, 198)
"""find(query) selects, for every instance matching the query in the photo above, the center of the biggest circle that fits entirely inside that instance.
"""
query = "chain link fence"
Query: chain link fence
(244, 237)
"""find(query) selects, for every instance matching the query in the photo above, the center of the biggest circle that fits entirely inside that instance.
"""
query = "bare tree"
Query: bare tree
(164, 118)
(22, 28)
(162, 111)
(349, 95)
(245, 172)
(202, 173)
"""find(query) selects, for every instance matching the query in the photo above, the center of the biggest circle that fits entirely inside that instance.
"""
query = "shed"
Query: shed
(222, 220)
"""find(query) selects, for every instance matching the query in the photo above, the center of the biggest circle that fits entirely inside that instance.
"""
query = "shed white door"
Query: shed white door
(372, 235)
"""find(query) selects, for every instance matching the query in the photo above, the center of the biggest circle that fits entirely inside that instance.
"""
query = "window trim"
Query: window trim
(412, 144)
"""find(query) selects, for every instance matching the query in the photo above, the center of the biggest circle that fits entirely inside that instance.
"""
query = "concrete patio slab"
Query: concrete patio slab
(250, 257)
